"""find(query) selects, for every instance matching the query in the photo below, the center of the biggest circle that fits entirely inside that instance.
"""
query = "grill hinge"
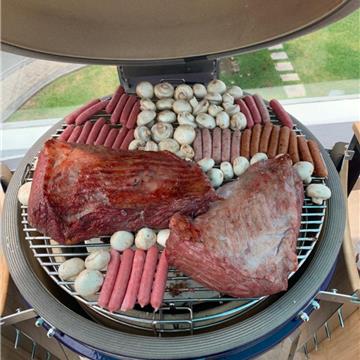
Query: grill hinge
(334, 296)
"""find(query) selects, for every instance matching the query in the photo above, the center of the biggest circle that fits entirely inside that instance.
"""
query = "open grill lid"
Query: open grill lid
(121, 32)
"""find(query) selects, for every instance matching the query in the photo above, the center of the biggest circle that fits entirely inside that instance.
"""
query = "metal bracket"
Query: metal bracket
(349, 154)
(20, 315)
(334, 296)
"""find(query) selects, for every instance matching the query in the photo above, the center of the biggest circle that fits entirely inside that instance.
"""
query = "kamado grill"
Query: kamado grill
(193, 321)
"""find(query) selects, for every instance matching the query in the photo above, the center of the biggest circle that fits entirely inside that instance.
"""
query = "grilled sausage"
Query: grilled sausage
(148, 276)
(127, 109)
(102, 135)
(255, 139)
(95, 131)
(75, 134)
(245, 110)
(91, 111)
(127, 140)
(67, 133)
(111, 137)
(70, 119)
(115, 116)
(197, 145)
(159, 285)
(206, 143)
(120, 138)
(281, 114)
(293, 147)
(274, 141)
(85, 133)
(121, 281)
(216, 145)
(114, 99)
(304, 151)
(134, 282)
(263, 110)
(320, 168)
(110, 277)
(250, 102)
(284, 139)
(235, 145)
(131, 122)
(226, 145)
(245, 143)
(265, 137)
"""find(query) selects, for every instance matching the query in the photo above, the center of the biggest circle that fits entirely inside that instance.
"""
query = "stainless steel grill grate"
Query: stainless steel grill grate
(187, 305)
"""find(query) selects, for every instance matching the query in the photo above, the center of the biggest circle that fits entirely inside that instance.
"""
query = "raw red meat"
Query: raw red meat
(83, 191)
(245, 245)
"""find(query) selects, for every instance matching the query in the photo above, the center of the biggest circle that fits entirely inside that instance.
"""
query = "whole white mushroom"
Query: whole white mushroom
(165, 104)
(201, 107)
(206, 164)
(235, 91)
(151, 146)
(136, 144)
(186, 118)
(238, 121)
(215, 109)
(215, 176)
(181, 106)
(183, 92)
(227, 170)
(88, 282)
(162, 237)
(318, 193)
(184, 134)
(161, 131)
(121, 240)
(166, 116)
(145, 117)
(69, 269)
(214, 98)
(305, 170)
(97, 260)
(231, 109)
(199, 91)
(145, 238)
(147, 104)
(24, 193)
(142, 133)
(227, 98)
(164, 90)
(223, 120)
(186, 152)
(193, 102)
(216, 86)
(258, 157)
(169, 145)
(144, 89)
(205, 121)
(240, 165)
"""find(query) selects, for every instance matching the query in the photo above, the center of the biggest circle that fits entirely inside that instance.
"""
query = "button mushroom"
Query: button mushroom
(205, 121)
(238, 121)
(145, 117)
(258, 157)
(162, 237)
(165, 104)
(206, 164)
(161, 131)
(151, 146)
(24, 193)
(166, 116)
(147, 104)
(184, 134)
(227, 98)
(216, 86)
(88, 282)
(164, 90)
(222, 120)
(214, 109)
(69, 269)
(240, 165)
(186, 152)
(193, 102)
(231, 109)
(142, 133)
(201, 107)
(215, 176)
(144, 89)
(181, 106)
(186, 118)
(121, 240)
(136, 144)
(235, 91)
(183, 92)
(214, 98)
(145, 238)
(227, 170)
(169, 145)
(305, 170)
(318, 193)
(199, 91)
(97, 260)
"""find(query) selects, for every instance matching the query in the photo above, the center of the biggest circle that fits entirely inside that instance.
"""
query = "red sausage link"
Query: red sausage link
(284, 139)
(127, 109)
(114, 99)
(128, 139)
(273, 142)
(85, 133)
(115, 117)
(111, 137)
(134, 282)
(131, 122)
(198, 145)
(91, 111)
(120, 138)
(75, 134)
(102, 135)
(70, 119)
(225, 145)
(66, 133)
(293, 147)
(263, 110)
(319, 164)
(245, 143)
(206, 143)
(121, 281)
(235, 145)
(245, 110)
(281, 114)
(250, 102)
(158, 291)
(255, 139)
(148, 276)
(216, 145)
(95, 131)
(110, 277)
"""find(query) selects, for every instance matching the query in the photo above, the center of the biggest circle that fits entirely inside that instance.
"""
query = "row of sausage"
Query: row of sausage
(98, 133)
(226, 145)
(134, 276)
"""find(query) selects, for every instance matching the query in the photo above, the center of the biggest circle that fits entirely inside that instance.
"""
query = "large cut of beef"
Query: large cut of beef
(82, 191)
(245, 245)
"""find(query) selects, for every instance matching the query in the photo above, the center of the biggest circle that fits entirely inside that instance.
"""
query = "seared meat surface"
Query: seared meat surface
(245, 245)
